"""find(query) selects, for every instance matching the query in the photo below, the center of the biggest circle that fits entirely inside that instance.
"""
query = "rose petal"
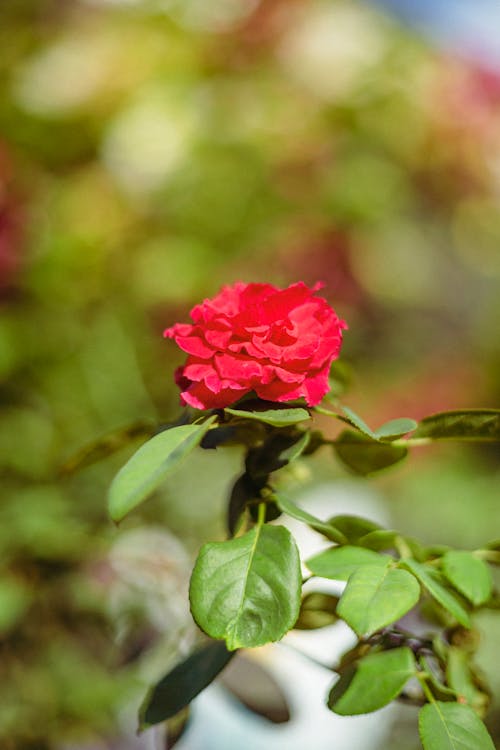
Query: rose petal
(194, 345)
(315, 388)
(237, 368)
(200, 397)
(198, 371)
(278, 391)
(277, 342)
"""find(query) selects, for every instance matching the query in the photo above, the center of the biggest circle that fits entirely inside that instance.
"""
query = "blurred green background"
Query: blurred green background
(150, 152)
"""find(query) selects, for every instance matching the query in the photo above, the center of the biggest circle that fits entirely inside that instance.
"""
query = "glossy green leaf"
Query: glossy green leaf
(339, 563)
(452, 726)
(183, 683)
(323, 527)
(469, 575)
(247, 590)
(376, 596)
(373, 683)
(317, 611)
(461, 424)
(395, 428)
(149, 466)
(391, 430)
(436, 586)
(275, 417)
(353, 527)
(365, 456)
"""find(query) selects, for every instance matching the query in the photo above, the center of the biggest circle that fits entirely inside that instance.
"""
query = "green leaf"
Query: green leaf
(390, 430)
(395, 428)
(353, 527)
(149, 466)
(105, 446)
(460, 677)
(373, 683)
(247, 590)
(323, 527)
(434, 676)
(317, 611)
(339, 563)
(379, 539)
(183, 683)
(461, 424)
(296, 450)
(275, 417)
(435, 585)
(280, 448)
(356, 421)
(365, 456)
(469, 575)
(452, 726)
(376, 596)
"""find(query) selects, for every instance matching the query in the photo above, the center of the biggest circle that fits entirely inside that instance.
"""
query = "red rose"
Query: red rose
(279, 343)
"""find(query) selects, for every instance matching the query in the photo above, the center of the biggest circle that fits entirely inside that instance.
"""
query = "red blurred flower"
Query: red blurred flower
(11, 222)
(279, 343)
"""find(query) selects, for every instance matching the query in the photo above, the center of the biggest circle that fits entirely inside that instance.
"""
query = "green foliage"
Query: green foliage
(461, 678)
(147, 157)
(317, 611)
(147, 468)
(247, 590)
(354, 527)
(379, 539)
(391, 430)
(339, 563)
(451, 726)
(376, 596)
(274, 417)
(395, 428)
(469, 575)
(373, 682)
(354, 419)
(477, 425)
(327, 529)
(244, 491)
(364, 455)
(183, 683)
(436, 586)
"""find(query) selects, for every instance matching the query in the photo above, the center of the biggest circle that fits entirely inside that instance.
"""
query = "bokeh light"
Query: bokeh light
(151, 151)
